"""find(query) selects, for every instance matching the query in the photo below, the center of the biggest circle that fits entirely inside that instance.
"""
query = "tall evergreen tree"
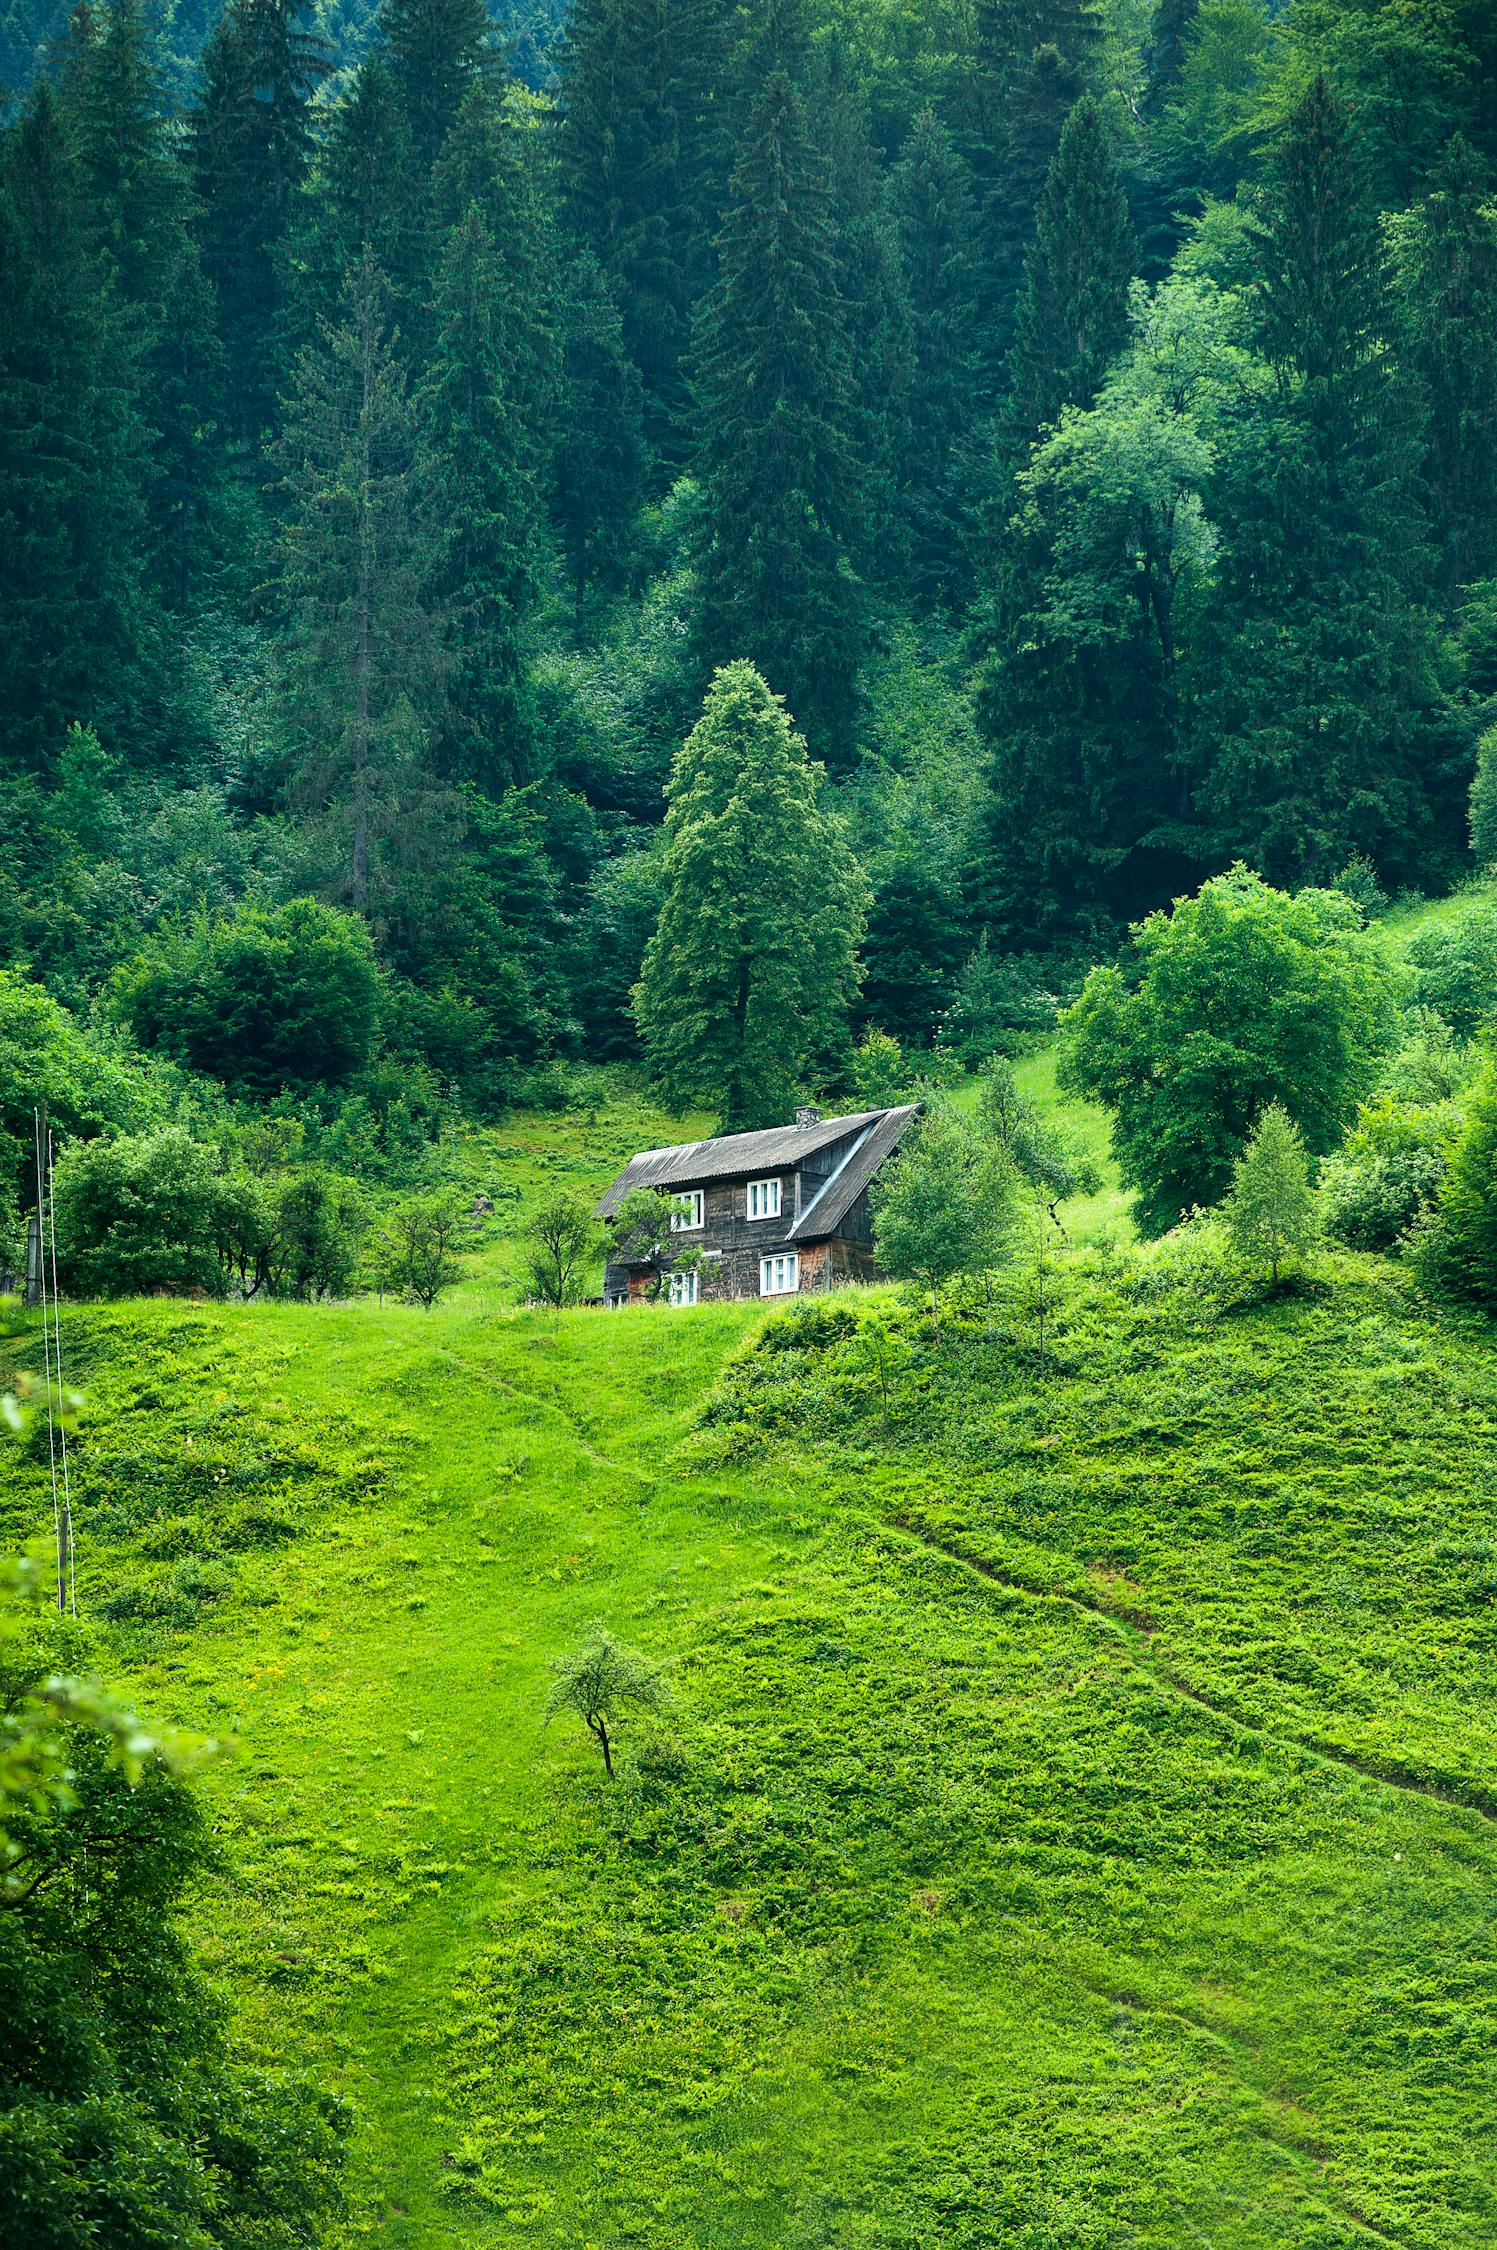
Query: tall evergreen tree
(643, 161)
(599, 464)
(780, 477)
(1328, 739)
(137, 208)
(1073, 308)
(73, 457)
(362, 193)
(435, 49)
(251, 141)
(933, 204)
(1444, 264)
(356, 558)
(749, 976)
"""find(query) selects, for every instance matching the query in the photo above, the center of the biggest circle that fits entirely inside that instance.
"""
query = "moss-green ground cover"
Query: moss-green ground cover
(1075, 1825)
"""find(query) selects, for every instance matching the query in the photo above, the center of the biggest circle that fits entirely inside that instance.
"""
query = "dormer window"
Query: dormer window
(689, 1220)
(764, 1199)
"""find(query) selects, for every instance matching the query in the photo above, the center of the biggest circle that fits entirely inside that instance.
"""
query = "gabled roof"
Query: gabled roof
(735, 1156)
(832, 1203)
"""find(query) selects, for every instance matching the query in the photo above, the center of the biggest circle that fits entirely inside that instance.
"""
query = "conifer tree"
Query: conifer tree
(642, 162)
(1444, 261)
(1073, 308)
(485, 463)
(136, 201)
(73, 457)
(356, 558)
(751, 971)
(779, 474)
(434, 49)
(362, 193)
(877, 319)
(599, 466)
(934, 207)
(1270, 1208)
(251, 143)
(1461, 1249)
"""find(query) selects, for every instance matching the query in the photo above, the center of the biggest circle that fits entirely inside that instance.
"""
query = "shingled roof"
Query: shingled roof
(782, 1148)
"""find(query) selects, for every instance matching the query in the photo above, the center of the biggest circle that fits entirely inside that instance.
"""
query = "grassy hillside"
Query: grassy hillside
(1074, 1825)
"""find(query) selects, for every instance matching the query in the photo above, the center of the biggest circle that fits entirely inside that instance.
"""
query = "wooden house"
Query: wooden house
(771, 1213)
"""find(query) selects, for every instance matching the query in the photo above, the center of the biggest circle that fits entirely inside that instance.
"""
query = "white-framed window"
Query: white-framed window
(764, 1199)
(687, 1222)
(779, 1276)
(683, 1288)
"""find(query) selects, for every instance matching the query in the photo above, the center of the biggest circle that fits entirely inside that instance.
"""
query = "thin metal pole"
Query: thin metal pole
(39, 1121)
(62, 1420)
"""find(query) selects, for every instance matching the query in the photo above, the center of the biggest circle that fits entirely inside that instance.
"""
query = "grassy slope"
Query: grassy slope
(1034, 1903)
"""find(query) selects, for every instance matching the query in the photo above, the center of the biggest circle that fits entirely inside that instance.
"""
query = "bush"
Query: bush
(1484, 801)
(1000, 999)
(141, 1212)
(1455, 969)
(1242, 996)
(1458, 1249)
(1388, 1176)
(86, 1083)
(277, 996)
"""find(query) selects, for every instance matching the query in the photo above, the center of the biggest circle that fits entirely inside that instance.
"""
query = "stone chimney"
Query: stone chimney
(807, 1115)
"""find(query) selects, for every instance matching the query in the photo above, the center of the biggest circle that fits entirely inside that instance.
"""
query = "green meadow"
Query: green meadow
(1073, 1820)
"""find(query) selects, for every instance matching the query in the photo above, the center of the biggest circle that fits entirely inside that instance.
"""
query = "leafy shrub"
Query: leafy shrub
(1000, 998)
(1240, 997)
(1389, 1173)
(276, 996)
(86, 1082)
(137, 1213)
(1484, 801)
(1455, 969)
(1458, 1249)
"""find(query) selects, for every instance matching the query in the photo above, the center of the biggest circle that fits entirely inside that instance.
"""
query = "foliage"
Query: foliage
(881, 1073)
(1484, 802)
(1269, 1211)
(943, 1207)
(1038, 1149)
(747, 980)
(644, 1231)
(561, 1239)
(84, 1080)
(1386, 1177)
(1459, 1248)
(272, 997)
(1241, 997)
(1455, 969)
(600, 1679)
(415, 1248)
(142, 1211)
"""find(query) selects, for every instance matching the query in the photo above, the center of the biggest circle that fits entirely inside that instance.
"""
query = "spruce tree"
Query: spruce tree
(434, 49)
(356, 559)
(749, 976)
(779, 474)
(1073, 307)
(1270, 1209)
(642, 162)
(1444, 263)
(362, 193)
(599, 464)
(933, 204)
(251, 144)
(73, 458)
(1326, 737)
(484, 465)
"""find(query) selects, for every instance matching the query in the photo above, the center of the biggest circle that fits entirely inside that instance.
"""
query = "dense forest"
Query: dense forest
(1084, 419)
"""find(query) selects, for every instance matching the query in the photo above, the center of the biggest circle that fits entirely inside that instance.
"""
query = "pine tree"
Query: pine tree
(1270, 1209)
(933, 203)
(642, 164)
(1327, 740)
(356, 557)
(137, 206)
(599, 465)
(751, 971)
(779, 474)
(362, 193)
(435, 49)
(1073, 308)
(1444, 260)
(485, 465)
(251, 143)
(73, 458)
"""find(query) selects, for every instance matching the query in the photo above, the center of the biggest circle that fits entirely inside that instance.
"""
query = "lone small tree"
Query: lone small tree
(597, 1679)
(641, 1232)
(1270, 1209)
(560, 1237)
(943, 1207)
(415, 1250)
